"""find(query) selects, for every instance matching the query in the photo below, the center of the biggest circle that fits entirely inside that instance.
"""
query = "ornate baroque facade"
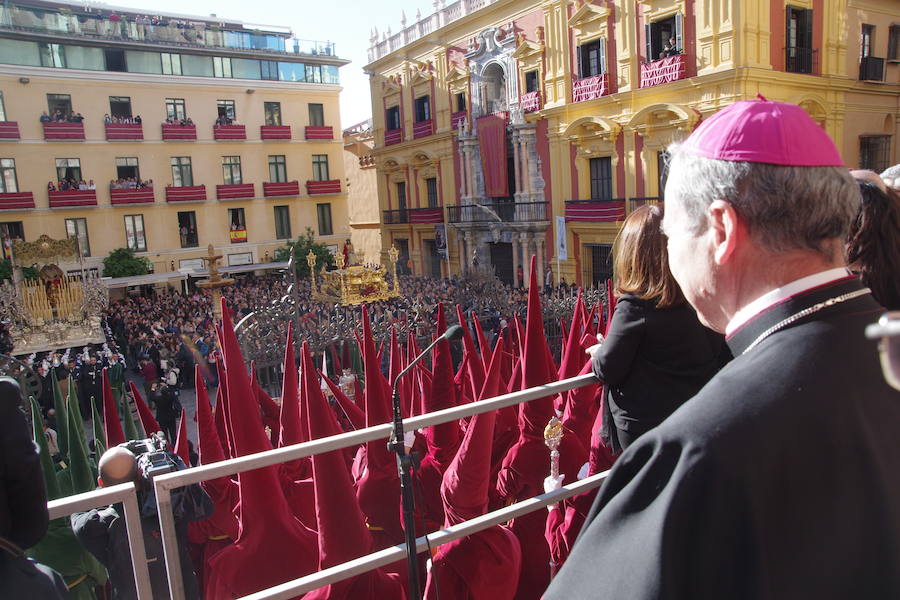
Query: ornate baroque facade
(508, 128)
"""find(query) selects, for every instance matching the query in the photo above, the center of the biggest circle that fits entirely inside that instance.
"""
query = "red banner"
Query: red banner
(492, 143)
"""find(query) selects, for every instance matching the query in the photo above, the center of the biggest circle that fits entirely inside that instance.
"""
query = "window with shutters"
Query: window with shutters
(798, 40)
(601, 178)
(423, 109)
(664, 38)
(432, 192)
(894, 43)
(592, 58)
(392, 118)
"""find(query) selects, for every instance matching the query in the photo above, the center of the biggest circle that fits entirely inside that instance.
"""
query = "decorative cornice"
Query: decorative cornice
(588, 13)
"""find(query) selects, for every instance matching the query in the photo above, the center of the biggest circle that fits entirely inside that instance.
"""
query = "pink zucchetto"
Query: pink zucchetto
(764, 131)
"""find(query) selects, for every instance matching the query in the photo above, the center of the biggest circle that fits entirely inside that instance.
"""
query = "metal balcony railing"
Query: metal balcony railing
(871, 68)
(634, 203)
(504, 212)
(401, 216)
(164, 484)
(799, 60)
(596, 211)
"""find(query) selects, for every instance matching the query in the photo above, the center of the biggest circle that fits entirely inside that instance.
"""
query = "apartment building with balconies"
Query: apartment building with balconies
(166, 133)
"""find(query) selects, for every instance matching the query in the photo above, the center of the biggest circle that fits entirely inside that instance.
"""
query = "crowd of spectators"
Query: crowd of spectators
(129, 183)
(186, 121)
(226, 120)
(70, 183)
(176, 330)
(136, 120)
(61, 117)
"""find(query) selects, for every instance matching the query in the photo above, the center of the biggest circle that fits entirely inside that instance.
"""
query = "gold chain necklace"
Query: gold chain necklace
(805, 313)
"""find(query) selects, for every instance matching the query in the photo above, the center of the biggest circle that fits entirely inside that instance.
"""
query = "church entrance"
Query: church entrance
(502, 259)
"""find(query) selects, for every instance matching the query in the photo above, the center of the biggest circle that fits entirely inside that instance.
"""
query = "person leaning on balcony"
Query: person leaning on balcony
(671, 48)
(779, 479)
(45, 118)
(656, 354)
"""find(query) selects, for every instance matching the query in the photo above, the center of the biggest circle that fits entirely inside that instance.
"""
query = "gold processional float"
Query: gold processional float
(55, 310)
(350, 283)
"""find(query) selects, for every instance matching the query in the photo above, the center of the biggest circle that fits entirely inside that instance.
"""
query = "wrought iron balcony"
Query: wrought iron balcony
(328, 186)
(235, 191)
(281, 188)
(595, 210)
(9, 130)
(188, 193)
(16, 200)
(871, 68)
(634, 203)
(393, 136)
(63, 131)
(275, 132)
(664, 70)
(530, 101)
(73, 198)
(124, 131)
(504, 212)
(172, 132)
(590, 88)
(119, 196)
(799, 60)
(229, 132)
(414, 216)
(423, 128)
(319, 132)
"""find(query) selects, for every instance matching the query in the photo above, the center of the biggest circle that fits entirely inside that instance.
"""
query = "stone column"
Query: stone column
(515, 257)
(526, 166)
(526, 252)
(464, 191)
(539, 242)
(471, 182)
(516, 164)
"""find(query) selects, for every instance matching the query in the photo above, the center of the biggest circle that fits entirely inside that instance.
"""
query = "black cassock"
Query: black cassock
(780, 479)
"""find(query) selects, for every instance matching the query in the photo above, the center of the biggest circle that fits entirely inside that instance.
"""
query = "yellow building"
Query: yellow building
(523, 127)
(187, 132)
(362, 192)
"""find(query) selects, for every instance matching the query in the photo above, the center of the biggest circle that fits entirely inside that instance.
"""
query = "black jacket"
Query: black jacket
(653, 360)
(779, 480)
(23, 498)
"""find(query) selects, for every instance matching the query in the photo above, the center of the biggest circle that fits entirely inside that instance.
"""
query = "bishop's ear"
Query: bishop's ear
(725, 228)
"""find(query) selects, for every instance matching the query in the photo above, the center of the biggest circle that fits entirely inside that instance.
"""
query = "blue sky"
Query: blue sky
(347, 23)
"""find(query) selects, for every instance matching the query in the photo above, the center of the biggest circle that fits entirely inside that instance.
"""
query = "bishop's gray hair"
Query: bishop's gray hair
(784, 207)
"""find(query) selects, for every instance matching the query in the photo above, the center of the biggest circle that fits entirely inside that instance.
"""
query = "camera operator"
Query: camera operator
(23, 506)
(168, 407)
(103, 531)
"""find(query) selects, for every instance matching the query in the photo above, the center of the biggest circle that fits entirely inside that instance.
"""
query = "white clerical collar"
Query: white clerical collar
(778, 294)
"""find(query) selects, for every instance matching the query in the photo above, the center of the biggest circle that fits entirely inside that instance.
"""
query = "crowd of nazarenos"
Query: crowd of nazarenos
(317, 512)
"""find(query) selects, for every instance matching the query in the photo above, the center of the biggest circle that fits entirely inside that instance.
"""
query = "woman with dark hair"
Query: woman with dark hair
(873, 244)
(656, 355)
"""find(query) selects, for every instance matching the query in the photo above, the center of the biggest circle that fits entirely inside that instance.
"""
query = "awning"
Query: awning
(148, 279)
(241, 268)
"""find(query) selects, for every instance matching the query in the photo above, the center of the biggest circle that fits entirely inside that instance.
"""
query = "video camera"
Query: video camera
(153, 457)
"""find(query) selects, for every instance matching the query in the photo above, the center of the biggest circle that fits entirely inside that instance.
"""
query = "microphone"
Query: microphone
(405, 466)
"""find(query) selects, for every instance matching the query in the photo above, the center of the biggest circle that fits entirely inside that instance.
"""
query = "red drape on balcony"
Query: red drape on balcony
(492, 143)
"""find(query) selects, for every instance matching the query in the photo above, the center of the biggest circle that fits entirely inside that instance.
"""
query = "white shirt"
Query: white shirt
(775, 296)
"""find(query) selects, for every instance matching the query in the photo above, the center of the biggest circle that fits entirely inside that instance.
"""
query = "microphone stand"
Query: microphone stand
(405, 468)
